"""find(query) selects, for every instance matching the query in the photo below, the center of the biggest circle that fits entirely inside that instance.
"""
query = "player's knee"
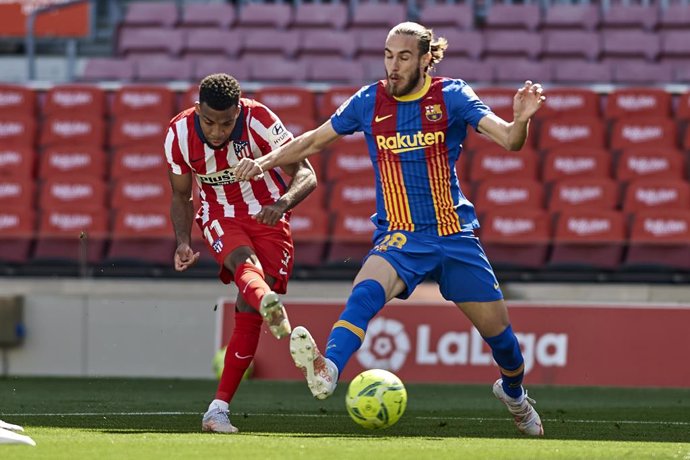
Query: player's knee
(241, 255)
(367, 298)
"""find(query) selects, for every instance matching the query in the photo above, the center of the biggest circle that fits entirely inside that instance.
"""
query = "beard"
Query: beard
(404, 90)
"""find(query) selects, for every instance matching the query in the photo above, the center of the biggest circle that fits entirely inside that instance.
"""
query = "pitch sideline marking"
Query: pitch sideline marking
(138, 414)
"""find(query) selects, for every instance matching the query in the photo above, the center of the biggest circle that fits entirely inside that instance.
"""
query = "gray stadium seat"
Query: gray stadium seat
(581, 72)
(515, 43)
(321, 16)
(271, 15)
(455, 15)
(326, 43)
(642, 72)
(367, 15)
(150, 40)
(570, 44)
(164, 70)
(571, 16)
(334, 70)
(151, 14)
(629, 44)
(213, 41)
(621, 16)
(220, 15)
(513, 16)
(100, 69)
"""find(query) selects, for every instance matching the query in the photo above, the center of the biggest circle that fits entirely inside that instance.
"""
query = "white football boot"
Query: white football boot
(526, 418)
(273, 312)
(321, 373)
(8, 435)
(217, 420)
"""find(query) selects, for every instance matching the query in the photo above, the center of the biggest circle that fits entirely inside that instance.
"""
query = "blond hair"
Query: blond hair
(425, 39)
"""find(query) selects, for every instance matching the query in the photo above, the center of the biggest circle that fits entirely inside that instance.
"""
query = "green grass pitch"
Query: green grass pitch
(160, 419)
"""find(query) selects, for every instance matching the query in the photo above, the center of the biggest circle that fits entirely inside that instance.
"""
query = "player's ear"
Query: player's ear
(197, 108)
(426, 60)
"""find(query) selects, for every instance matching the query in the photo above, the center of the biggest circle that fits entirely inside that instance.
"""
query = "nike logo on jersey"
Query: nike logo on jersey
(378, 119)
(238, 356)
(496, 286)
(282, 272)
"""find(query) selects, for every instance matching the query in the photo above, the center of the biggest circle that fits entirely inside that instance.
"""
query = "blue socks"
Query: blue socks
(365, 301)
(507, 354)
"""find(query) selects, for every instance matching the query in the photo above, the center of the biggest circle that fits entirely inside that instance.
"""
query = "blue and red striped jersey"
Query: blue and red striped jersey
(414, 142)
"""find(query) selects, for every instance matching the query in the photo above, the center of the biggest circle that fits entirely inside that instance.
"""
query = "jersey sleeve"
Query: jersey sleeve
(269, 131)
(173, 153)
(466, 104)
(350, 115)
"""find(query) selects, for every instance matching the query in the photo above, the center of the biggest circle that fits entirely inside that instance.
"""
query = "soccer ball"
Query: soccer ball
(376, 399)
(219, 363)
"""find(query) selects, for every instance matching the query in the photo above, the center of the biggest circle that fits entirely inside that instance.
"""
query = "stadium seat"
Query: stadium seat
(270, 42)
(630, 44)
(629, 16)
(659, 239)
(212, 43)
(16, 192)
(499, 100)
(682, 74)
(570, 103)
(17, 100)
(643, 162)
(496, 162)
(163, 69)
(522, 70)
(17, 130)
(141, 192)
(238, 68)
(140, 159)
(584, 192)
(148, 100)
(657, 193)
(581, 72)
(288, 101)
(298, 125)
(674, 16)
(514, 44)
(17, 162)
(377, 15)
(70, 236)
(683, 107)
(573, 44)
(73, 129)
(588, 238)
(351, 237)
(467, 69)
(566, 162)
(142, 236)
(17, 231)
(309, 228)
(353, 193)
(138, 129)
(643, 132)
(462, 43)
(346, 163)
(508, 192)
(566, 132)
(516, 237)
(371, 42)
(99, 69)
(67, 160)
(328, 16)
(637, 72)
(332, 99)
(562, 16)
(134, 40)
(437, 16)
(264, 15)
(642, 101)
(475, 142)
(276, 70)
(675, 44)
(146, 13)
(334, 70)
(81, 99)
(513, 16)
(220, 15)
(73, 192)
(326, 43)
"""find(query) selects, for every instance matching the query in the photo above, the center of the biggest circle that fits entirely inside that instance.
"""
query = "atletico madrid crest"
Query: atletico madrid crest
(433, 112)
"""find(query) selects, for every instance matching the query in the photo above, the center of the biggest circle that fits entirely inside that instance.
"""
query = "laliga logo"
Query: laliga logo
(385, 345)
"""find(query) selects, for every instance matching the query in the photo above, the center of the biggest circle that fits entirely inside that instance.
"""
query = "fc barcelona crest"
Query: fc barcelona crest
(433, 112)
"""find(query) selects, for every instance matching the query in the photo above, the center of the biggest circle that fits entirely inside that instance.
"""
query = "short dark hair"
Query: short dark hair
(219, 91)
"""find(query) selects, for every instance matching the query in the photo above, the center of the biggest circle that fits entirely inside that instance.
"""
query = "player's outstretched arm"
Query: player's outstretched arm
(303, 182)
(181, 215)
(528, 99)
(299, 149)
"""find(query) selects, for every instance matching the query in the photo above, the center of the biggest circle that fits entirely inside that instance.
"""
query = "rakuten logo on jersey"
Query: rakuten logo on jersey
(388, 346)
(635, 102)
(637, 133)
(569, 133)
(655, 196)
(72, 98)
(588, 226)
(501, 164)
(577, 195)
(573, 165)
(138, 100)
(513, 226)
(300, 223)
(665, 227)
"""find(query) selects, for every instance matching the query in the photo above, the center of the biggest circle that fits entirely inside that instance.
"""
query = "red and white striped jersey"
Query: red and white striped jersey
(257, 132)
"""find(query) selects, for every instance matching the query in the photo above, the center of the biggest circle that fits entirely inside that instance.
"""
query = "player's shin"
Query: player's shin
(365, 301)
(239, 354)
(251, 283)
(507, 354)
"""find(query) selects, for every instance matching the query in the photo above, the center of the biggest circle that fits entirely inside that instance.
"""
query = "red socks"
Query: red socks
(240, 352)
(250, 281)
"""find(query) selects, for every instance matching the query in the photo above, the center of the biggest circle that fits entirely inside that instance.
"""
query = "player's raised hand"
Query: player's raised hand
(528, 99)
(271, 214)
(248, 169)
(185, 257)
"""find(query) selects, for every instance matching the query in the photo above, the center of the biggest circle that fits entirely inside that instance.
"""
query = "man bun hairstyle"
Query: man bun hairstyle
(219, 91)
(425, 39)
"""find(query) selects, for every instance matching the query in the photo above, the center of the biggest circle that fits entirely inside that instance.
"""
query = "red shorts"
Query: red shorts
(273, 246)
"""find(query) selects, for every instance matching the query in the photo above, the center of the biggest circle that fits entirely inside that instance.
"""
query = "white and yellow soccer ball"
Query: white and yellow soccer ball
(376, 399)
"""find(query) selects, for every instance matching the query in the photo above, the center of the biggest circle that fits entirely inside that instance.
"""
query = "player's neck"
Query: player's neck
(418, 91)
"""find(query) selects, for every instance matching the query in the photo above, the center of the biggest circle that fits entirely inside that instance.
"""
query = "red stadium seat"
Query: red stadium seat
(17, 162)
(320, 16)
(567, 132)
(496, 162)
(73, 129)
(643, 132)
(660, 238)
(592, 238)
(144, 13)
(475, 142)
(68, 160)
(508, 192)
(565, 162)
(17, 231)
(650, 162)
(16, 192)
(353, 193)
(145, 159)
(288, 101)
(298, 125)
(448, 15)
(499, 100)
(513, 16)
(141, 192)
(138, 129)
(17, 100)
(657, 193)
(332, 99)
(561, 16)
(351, 237)
(71, 236)
(17, 130)
(516, 237)
(626, 102)
(584, 192)
(142, 237)
(151, 101)
(79, 99)
(221, 15)
(569, 103)
(683, 108)
(83, 193)
(344, 164)
(98, 69)
(309, 228)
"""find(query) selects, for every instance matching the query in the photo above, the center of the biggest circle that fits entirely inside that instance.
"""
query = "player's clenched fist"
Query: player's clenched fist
(185, 257)
(247, 169)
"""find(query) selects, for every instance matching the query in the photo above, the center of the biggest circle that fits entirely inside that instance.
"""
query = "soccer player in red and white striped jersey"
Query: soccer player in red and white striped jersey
(245, 223)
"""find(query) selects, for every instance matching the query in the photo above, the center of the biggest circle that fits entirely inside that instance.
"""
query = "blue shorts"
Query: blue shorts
(456, 262)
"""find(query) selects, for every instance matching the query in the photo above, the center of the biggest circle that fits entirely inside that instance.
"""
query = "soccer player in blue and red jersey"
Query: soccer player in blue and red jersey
(414, 125)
